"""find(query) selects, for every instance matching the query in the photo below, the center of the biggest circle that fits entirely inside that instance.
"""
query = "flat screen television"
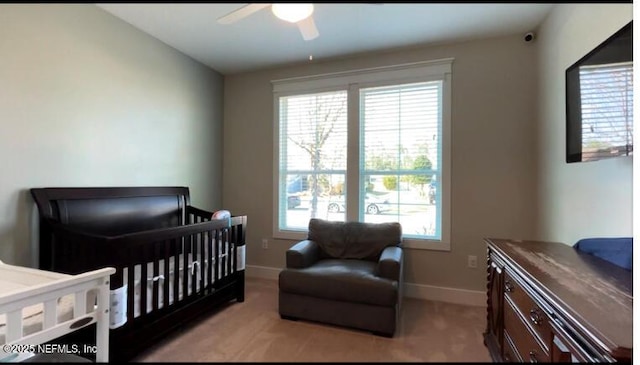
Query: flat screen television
(599, 100)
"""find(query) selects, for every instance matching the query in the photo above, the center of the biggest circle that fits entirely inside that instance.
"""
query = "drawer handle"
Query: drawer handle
(508, 287)
(535, 316)
(532, 356)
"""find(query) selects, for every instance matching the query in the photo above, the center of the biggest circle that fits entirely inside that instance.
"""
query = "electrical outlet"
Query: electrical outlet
(265, 243)
(472, 261)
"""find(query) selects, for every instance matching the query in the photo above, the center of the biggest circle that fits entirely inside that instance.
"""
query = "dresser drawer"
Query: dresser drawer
(509, 351)
(535, 316)
(523, 340)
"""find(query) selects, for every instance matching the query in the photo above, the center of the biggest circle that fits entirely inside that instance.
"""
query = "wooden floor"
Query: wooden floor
(253, 331)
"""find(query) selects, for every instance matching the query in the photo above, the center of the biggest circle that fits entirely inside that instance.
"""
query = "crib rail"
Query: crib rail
(162, 268)
(47, 287)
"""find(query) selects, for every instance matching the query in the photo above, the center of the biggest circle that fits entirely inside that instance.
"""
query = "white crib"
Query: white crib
(38, 306)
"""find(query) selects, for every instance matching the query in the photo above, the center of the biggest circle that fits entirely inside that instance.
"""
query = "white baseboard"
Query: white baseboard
(262, 272)
(411, 290)
(443, 294)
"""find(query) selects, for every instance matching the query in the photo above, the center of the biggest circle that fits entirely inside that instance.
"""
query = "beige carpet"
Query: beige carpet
(253, 331)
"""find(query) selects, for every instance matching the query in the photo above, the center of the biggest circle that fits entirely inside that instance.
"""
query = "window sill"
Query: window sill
(430, 245)
(411, 243)
(290, 235)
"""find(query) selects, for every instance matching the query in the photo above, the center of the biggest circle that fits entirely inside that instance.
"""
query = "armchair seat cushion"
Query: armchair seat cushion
(342, 280)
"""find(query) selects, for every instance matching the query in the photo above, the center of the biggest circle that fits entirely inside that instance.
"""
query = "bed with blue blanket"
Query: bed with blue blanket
(618, 250)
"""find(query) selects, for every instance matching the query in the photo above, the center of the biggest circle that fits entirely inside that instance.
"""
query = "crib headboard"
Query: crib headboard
(111, 211)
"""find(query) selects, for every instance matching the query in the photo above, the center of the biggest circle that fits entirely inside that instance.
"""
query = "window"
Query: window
(368, 145)
(313, 156)
(607, 110)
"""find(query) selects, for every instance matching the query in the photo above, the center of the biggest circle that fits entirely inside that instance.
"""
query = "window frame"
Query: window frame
(352, 82)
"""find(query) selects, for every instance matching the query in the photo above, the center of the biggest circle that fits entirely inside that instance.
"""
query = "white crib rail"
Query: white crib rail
(32, 287)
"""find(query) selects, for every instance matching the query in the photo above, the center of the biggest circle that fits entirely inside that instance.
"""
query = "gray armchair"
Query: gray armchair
(345, 273)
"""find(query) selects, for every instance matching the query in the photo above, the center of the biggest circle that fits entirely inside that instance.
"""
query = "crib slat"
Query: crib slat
(203, 260)
(216, 257)
(232, 248)
(156, 275)
(194, 265)
(221, 257)
(167, 276)
(143, 284)
(225, 253)
(50, 310)
(176, 270)
(131, 289)
(185, 269)
(80, 304)
(14, 325)
(210, 259)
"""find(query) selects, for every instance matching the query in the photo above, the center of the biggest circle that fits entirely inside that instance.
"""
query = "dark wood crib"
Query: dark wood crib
(174, 260)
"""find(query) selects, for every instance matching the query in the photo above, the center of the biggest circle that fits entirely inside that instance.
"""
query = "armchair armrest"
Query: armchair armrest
(390, 263)
(302, 254)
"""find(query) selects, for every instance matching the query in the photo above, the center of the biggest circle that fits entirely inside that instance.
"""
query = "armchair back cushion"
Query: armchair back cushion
(354, 240)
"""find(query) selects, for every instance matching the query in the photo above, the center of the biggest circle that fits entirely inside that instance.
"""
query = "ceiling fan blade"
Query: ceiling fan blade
(243, 12)
(308, 28)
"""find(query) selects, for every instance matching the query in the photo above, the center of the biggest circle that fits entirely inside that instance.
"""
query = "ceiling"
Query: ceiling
(262, 41)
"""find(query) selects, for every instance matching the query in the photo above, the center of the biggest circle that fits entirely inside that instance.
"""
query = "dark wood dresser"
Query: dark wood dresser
(548, 302)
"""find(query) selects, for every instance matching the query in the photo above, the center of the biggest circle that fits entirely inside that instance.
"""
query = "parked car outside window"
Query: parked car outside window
(297, 184)
(373, 204)
(293, 201)
(432, 192)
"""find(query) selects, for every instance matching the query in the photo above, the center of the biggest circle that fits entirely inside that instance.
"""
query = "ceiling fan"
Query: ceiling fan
(300, 14)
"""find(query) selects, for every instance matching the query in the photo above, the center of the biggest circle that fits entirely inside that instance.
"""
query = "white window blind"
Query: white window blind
(607, 110)
(401, 154)
(313, 155)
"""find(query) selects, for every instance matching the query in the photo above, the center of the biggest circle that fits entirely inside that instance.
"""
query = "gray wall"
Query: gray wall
(88, 100)
(577, 200)
(493, 153)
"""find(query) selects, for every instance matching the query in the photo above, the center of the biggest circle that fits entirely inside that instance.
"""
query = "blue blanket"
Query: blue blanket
(618, 251)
